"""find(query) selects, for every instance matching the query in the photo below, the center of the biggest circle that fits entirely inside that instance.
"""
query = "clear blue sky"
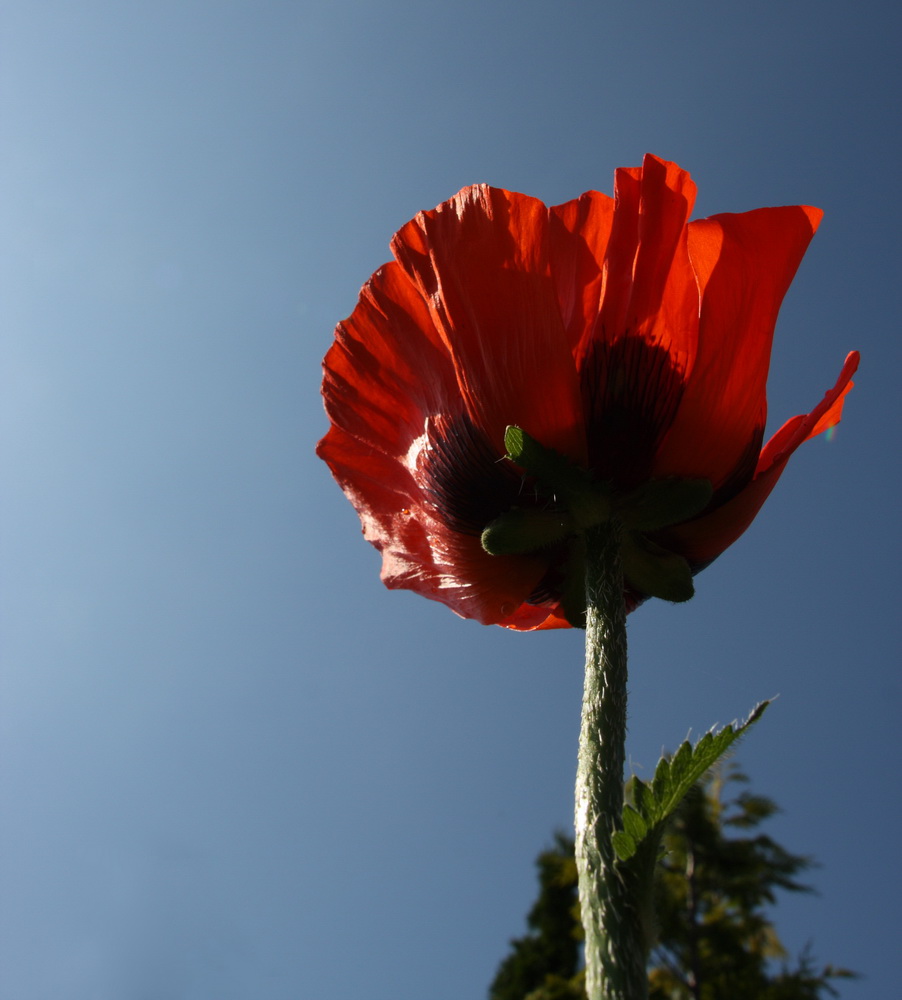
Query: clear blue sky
(234, 767)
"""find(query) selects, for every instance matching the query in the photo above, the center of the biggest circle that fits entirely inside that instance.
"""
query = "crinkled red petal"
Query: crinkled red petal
(386, 376)
(481, 263)
(649, 289)
(702, 540)
(578, 233)
(388, 367)
(612, 331)
(634, 356)
(744, 265)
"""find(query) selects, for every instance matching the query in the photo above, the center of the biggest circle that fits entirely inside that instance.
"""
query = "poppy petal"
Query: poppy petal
(419, 552)
(631, 342)
(388, 367)
(578, 233)
(744, 265)
(387, 379)
(634, 362)
(649, 288)
(705, 538)
(481, 263)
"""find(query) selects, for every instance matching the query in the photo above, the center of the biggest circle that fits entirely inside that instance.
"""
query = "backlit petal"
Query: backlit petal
(633, 364)
(705, 538)
(613, 331)
(649, 287)
(744, 265)
(579, 232)
(481, 263)
(387, 378)
(388, 368)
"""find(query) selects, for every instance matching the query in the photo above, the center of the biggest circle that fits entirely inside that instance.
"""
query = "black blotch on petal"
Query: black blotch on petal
(468, 481)
(631, 390)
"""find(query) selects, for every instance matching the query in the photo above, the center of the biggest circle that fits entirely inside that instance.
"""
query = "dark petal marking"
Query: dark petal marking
(742, 473)
(468, 481)
(631, 391)
(547, 591)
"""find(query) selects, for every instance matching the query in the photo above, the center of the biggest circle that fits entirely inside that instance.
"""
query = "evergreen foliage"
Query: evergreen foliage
(715, 939)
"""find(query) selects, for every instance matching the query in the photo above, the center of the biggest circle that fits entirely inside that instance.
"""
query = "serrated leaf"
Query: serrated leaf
(689, 764)
(652, 805)
(641, 795)
(703, 744)
(681, 762)
(624, 845)
(633, 823)
(661, 780)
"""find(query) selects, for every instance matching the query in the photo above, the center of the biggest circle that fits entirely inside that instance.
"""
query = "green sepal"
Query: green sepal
(546, 464)
(520, 530)
(655, 571)
(586, 500)
(654, 803)
(573, 592)
(662, 502)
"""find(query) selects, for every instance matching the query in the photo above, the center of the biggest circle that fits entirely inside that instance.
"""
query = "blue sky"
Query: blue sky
(233, 765)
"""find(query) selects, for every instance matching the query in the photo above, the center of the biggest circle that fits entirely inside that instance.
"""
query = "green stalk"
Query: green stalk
(615, 945)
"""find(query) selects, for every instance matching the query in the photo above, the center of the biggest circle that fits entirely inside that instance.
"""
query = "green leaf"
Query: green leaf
(635, 826)
(640, 795)
(652, 805)
(633, 823)
(624, 845)
(661, 780)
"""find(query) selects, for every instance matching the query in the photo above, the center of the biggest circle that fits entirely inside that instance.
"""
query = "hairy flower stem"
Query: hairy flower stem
(615, 946)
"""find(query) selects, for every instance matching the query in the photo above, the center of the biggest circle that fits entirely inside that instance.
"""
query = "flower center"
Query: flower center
(580, 502)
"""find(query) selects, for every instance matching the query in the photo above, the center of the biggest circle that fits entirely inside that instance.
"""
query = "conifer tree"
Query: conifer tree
(715, 937)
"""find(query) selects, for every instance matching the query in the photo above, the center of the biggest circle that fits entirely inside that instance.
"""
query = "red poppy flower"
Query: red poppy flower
(613, 331)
